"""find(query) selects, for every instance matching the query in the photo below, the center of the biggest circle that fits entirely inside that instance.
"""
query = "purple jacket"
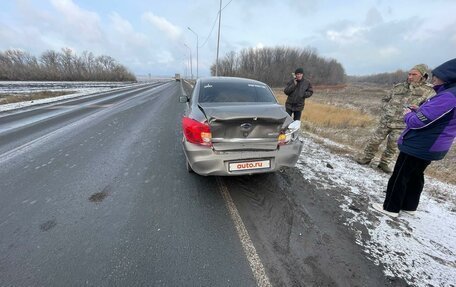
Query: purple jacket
(431, 129)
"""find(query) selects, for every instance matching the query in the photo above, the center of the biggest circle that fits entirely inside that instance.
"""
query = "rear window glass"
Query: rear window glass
(235, 92)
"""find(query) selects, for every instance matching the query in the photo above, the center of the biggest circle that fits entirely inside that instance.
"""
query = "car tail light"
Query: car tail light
(196, 132)
(282, 138)
(290, 133)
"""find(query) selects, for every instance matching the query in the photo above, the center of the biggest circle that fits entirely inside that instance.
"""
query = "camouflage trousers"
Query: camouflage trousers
(377, 138)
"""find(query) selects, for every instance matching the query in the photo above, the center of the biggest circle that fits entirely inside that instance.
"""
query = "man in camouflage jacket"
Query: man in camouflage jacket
(413, 92)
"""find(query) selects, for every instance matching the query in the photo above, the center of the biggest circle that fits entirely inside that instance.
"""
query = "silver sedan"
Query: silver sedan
(235, 126)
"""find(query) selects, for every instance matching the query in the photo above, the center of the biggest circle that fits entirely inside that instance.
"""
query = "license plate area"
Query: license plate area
(249, 165)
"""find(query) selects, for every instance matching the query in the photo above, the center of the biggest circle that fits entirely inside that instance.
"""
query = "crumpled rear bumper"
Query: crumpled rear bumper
(206, 161)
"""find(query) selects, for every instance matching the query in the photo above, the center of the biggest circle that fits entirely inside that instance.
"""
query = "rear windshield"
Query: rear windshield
(235, 92)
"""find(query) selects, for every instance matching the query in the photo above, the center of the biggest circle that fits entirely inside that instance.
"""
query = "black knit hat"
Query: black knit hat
(299, 71)
(446, 72)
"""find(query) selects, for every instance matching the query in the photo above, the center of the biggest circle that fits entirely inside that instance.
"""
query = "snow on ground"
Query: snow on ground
(80, 89)
(37, 86)
(421, 249)
(19, 105)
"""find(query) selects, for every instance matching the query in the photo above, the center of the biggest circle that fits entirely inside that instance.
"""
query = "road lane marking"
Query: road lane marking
(60, 107)
(8, 155)
(101, 106)
(249, 249)
(4, 157)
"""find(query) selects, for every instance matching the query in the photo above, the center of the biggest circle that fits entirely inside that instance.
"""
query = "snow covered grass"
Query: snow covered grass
(23, 97)
(79, 89)
(18, 105)
(420, 249)
(11, 87)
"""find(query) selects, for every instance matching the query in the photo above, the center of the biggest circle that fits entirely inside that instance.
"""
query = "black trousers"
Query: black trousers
(296, 114)
(406, 183)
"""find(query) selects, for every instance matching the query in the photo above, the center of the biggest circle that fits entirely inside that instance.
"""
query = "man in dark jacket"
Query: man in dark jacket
(297, 90)
(429, 133)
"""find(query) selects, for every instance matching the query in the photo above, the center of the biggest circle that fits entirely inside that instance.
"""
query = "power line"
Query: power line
(226, 5)
(213, 25)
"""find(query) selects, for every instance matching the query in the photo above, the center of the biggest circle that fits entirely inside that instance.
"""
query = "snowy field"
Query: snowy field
(14, 87)
(80, 89)
(420, 249)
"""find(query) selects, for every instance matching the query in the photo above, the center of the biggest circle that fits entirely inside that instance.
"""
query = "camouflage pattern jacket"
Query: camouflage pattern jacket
(403, 94)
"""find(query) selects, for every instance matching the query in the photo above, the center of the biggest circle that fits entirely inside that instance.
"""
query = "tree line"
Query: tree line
(17, 65)
(274, 66)
(382, 78)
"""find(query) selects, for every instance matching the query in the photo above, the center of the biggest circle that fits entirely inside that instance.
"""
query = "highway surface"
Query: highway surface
(94, 192)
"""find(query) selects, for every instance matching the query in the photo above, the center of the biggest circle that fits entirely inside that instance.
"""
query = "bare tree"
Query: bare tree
(17, 64)
(58, 66)
(50, 64)
(274, 65)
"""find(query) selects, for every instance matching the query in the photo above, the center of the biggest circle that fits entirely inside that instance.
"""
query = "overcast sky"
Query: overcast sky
(149, 36)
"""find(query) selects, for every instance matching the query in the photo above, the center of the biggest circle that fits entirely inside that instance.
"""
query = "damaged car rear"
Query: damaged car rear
(235, 126)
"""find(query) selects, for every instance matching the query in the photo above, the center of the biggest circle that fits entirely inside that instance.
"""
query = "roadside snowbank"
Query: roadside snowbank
(80, 89)
(24, 87)
(19, 105)
(420, 248)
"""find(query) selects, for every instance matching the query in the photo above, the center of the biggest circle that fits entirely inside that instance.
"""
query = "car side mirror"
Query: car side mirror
(183, 99)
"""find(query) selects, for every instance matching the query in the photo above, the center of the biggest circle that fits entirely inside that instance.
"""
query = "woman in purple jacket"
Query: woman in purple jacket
(430, 131)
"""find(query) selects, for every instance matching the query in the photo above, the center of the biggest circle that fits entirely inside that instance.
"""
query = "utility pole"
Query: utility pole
(196, 50)
(218, 39)
(191, 69)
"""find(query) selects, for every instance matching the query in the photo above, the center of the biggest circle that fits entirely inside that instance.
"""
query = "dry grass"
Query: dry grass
(15, 98)
(327, 115)
(348, 114)
(323, 115)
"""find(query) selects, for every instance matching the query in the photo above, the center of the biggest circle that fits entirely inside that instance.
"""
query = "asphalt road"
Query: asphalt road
(95, 192)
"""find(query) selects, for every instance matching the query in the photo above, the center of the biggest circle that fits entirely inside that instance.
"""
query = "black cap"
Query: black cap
(299, 71)
(446, 71)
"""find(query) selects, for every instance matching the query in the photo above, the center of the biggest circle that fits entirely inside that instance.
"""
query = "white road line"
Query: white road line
(28, 145)
(60, 107)
(252, 256)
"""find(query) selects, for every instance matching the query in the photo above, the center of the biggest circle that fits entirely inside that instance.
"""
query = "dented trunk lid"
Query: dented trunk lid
(245, 126)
